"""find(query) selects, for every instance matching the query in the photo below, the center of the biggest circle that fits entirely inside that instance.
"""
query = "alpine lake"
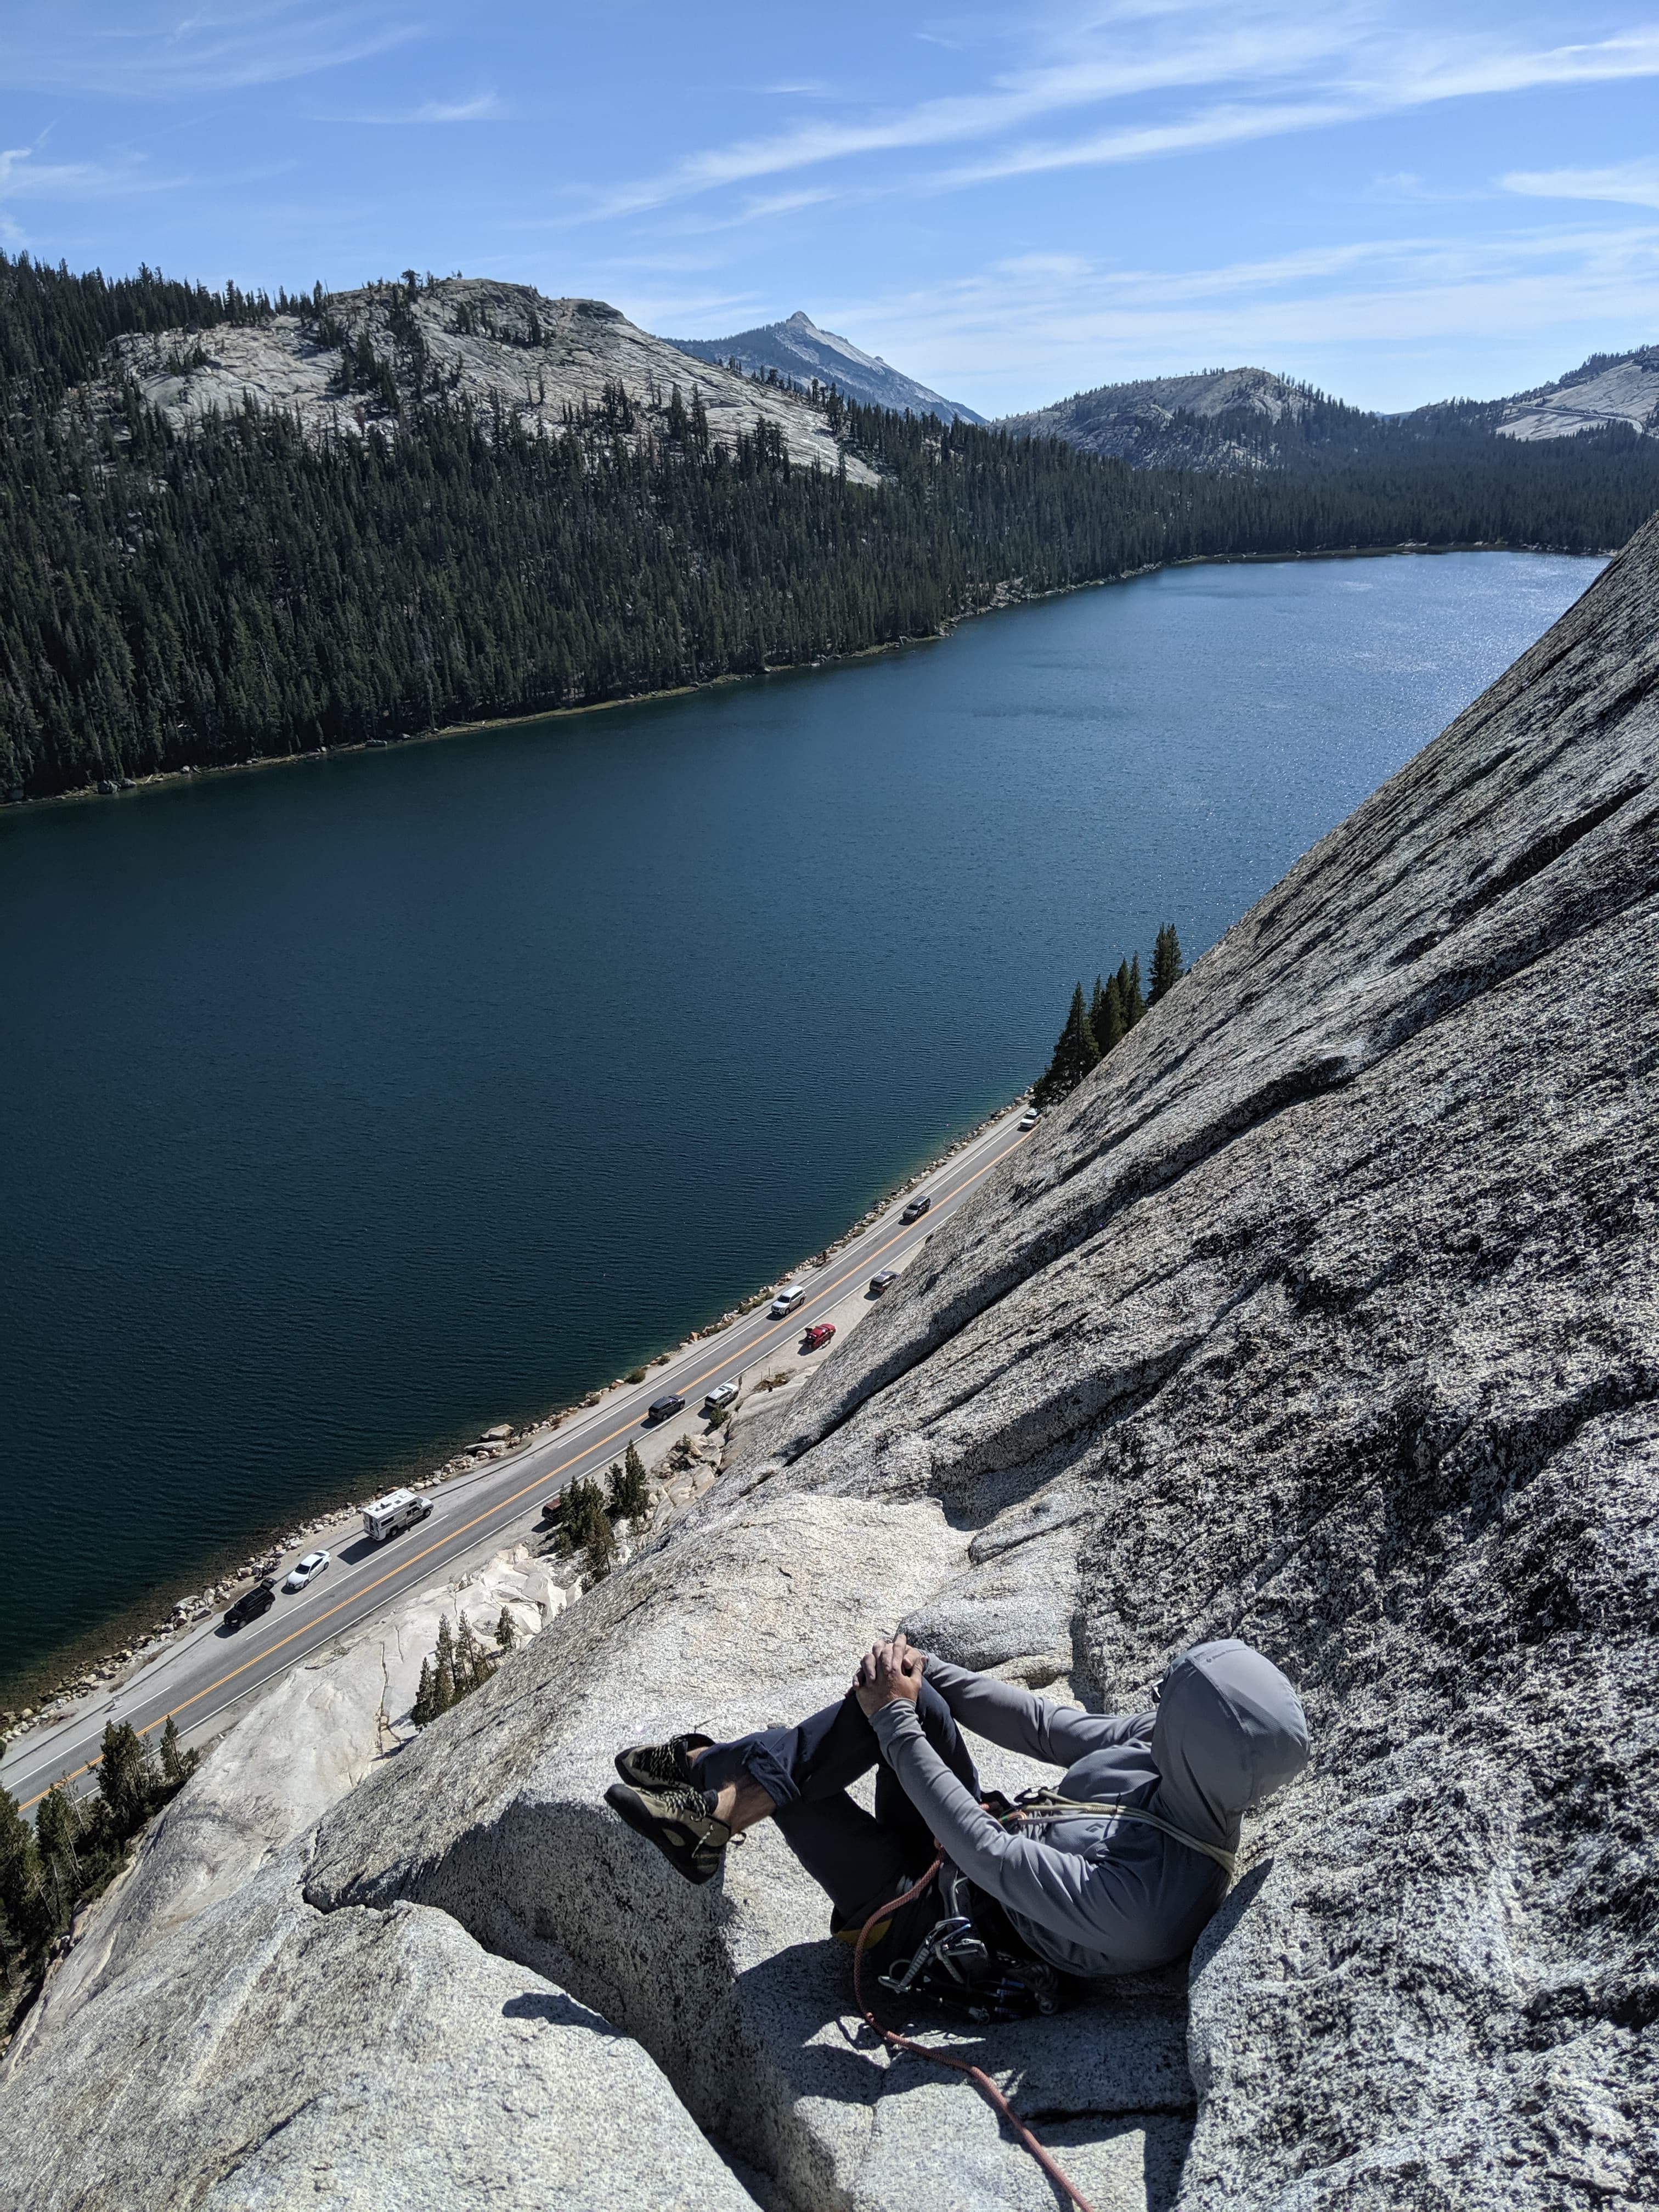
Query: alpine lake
(356, 1103)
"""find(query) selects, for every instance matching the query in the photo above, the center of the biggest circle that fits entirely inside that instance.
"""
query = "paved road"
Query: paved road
(203, 1674)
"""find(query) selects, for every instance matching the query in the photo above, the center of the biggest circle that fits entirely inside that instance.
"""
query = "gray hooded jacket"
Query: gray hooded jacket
(1098, 1895)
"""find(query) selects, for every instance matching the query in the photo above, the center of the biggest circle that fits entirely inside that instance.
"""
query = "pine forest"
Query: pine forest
(243, 592)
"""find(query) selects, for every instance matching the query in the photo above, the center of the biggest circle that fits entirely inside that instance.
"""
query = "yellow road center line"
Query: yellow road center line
(439, 1542)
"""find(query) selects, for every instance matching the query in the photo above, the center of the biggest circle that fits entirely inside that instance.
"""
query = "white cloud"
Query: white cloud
(22, 176)
(1261, 72)
(481, 107)
(1024, 332)
(142, 49)
(1631, 184)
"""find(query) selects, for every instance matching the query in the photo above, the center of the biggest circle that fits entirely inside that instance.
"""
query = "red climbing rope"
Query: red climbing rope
(982, 2082)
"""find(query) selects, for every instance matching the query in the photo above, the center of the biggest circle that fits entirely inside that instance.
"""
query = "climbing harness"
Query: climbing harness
(973, 1964)
(1040, 1807)
(982, 2081)
(956, 1966)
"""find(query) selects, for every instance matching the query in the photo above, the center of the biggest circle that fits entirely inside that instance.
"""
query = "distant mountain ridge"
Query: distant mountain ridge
(1239, 419)
(798, 350)
(356, 358)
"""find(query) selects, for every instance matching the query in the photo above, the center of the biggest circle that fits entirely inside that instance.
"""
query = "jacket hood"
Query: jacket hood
(1230, 1731)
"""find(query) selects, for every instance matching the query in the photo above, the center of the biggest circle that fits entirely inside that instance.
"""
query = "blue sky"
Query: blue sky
(1399, 202)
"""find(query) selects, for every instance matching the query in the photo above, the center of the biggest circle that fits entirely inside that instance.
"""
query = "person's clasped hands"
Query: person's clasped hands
(888, 1671)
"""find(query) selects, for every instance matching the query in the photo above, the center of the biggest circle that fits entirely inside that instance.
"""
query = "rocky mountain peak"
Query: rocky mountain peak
(456, 338)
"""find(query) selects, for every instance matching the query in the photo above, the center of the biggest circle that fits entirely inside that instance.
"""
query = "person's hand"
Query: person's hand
(888, 1671)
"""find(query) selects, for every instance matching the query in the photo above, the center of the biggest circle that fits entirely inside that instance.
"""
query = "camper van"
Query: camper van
(398, 1509)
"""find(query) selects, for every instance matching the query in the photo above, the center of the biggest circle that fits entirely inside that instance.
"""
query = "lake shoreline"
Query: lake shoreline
(1003, 599)
(121, 1648)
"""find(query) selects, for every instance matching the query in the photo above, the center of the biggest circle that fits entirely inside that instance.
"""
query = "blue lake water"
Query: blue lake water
(352, 1106)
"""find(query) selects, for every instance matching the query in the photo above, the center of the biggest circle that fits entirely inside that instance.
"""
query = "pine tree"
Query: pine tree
(1134, 1004)
(1167, 967)
(1098, 1018)
(425, 1707)
(1075, 1054)
(505, 1635)
(24, 1915)
(445, 1688)
(1109, 1027)
(588, 1524)
(126, 1778)
(177, 1766)
(58, 1834)
(630, 1491)
(473, 1664)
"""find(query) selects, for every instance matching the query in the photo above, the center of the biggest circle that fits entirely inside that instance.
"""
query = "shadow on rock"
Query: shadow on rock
(557, 2009)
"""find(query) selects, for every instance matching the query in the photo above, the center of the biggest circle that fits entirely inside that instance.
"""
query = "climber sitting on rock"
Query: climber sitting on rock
(1116, 1871)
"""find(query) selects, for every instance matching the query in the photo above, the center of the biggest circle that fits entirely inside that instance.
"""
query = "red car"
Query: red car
(818, 1336)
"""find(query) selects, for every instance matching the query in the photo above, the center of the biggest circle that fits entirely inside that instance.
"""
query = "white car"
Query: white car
(787, 1300)
(1029, 1118)
(304, 1571)
(721, 1395)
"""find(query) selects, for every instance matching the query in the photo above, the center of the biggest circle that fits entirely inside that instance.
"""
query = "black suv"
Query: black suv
(916, 1208)
(662, 1409)
(250, 1605)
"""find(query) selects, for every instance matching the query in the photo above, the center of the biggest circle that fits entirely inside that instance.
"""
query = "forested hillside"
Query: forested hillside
(169, 599)
(1249, 420)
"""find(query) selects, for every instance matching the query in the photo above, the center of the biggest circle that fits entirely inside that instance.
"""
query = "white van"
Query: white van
(398, 1509)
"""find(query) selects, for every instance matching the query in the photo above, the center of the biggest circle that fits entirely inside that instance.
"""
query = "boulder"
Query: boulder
(751, 1615)
(263, 2055)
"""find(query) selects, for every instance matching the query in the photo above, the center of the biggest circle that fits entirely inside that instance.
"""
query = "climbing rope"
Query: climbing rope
(982, 2081)
(1040, 1807)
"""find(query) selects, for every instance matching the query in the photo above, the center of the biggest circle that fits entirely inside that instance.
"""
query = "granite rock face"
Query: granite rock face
(490, 343)
(1324, 1314)
(265, 2055)
(753, 1614)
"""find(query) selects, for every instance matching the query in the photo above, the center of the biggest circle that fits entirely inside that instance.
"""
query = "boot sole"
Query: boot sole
(628, 1808)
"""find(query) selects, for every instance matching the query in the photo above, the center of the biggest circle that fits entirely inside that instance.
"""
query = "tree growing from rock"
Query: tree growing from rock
(126, 1778)
(1167, 967)
(1116, 1003)
(630, 1491)
(588, 1526)
(177, 1766)
(505, 1635)
(1075, 1054)
(25, 1921)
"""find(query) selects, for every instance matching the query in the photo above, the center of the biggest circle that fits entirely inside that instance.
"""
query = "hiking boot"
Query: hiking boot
(677, 1819)
(654, 1766)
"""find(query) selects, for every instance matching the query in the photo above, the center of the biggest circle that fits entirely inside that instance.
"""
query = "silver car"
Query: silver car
(304, 1571)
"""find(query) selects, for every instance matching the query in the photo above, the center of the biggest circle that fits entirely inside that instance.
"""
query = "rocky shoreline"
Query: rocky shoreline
(125, 1660)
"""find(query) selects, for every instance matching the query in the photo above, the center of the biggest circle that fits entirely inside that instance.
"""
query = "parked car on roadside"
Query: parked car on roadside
(663, 1408)
(250, 1605)
(818, 1336)
(721, 1395)
(551, 1508)
(919, 1205)
(883, 1282)
(787, 1300)
(304, 1571)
